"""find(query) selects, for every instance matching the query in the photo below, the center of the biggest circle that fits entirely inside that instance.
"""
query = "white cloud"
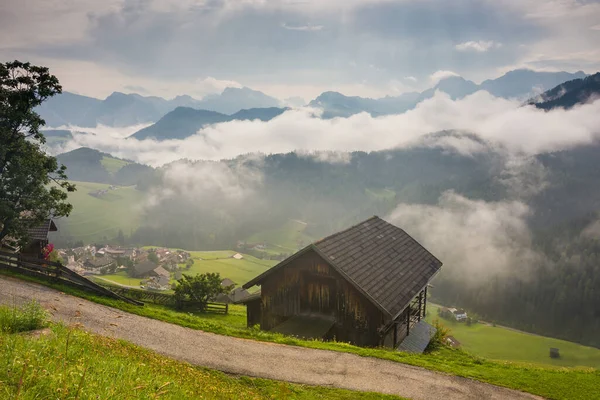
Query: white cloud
(439, 75)
(595, 27)
(497, 121)
(480, 46)
(410, 78)
(212, 181)
(476, 240)
(306, 28)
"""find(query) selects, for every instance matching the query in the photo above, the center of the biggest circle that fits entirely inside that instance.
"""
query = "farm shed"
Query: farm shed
(38, 238)
(366, 285)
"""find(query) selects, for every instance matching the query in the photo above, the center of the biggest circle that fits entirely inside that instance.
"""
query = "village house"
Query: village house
(458, 313)
(148, 269)
(114, 252)
(366, 285)
(234, 296)
(38, 239)
(144, 269)
(95, 264)
(158, 283)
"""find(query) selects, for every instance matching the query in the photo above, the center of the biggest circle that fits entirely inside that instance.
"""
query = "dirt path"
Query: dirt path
(259, 359)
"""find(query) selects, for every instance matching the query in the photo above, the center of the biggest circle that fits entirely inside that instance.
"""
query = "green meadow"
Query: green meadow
(94, 218)
(112, 165)
(239, 271)
(499, 343)
(286, 239)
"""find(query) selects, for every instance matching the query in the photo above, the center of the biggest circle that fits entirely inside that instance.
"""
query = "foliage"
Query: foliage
(152, 256)
(189, 263)
(21, 319)
(121, 238)
(200, 289)
(445, 314)
(71, 364)
(26, 198)
(438, 339)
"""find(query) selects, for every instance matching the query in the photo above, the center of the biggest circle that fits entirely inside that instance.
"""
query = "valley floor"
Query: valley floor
(507, 344)
(247, 357)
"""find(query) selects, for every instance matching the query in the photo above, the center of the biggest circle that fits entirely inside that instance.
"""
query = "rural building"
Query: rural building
(114, 252)
(366, 285)
(227, 282)
(237, 295)
(160, 272)
(38, 238)
(458, 313)
(144, 269)
(98, 263)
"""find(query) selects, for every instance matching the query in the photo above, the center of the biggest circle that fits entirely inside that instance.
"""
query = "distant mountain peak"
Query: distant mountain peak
(569, 94)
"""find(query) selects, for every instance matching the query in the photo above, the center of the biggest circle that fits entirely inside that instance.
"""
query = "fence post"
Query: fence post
(226, 308)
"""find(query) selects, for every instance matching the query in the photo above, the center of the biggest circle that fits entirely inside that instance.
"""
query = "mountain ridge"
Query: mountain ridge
(183, 122)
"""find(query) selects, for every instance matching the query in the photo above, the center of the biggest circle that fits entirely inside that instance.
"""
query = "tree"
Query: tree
(152, 256)
(33, 187)
(121, 238)
(199, 289)
(189, 263)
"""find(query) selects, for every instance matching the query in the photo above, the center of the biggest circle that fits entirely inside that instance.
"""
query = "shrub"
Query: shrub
(438, 339)
(21, 319)
(199, 289)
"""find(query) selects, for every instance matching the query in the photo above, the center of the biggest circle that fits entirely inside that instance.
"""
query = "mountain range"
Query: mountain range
(120, 109)
(518, 84)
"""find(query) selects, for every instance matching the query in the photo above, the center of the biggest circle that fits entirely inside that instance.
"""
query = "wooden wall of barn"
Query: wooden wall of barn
(309, 285)
(253, 312)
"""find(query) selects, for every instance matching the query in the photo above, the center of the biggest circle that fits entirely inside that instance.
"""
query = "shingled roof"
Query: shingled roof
(40, 232)
(379, 259)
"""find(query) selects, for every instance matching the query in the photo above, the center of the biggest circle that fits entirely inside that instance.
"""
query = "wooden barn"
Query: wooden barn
(366, 285)
(38, 238)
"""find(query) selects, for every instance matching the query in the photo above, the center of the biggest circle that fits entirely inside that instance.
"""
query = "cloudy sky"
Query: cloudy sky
(294, 47)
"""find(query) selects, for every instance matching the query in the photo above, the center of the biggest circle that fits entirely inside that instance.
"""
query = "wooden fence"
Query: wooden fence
(55, 272)
(166, 299)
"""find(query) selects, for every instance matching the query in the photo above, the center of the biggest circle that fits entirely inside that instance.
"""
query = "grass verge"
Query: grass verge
(549, 382)
(21, 319)
(72, 364)
(500, 343)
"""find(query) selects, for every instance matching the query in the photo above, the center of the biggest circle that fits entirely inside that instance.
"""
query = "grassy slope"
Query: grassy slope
(70, 363)
(287, 238)
(112, 165)
(549, 382)
(239, 271)
(505, 344)
(92, 217)
(122, 278)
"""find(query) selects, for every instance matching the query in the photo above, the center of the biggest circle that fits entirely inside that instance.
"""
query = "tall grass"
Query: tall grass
(28, 317)
(73, 364)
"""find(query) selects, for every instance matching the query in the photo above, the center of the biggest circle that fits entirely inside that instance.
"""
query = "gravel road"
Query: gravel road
(251, 358)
